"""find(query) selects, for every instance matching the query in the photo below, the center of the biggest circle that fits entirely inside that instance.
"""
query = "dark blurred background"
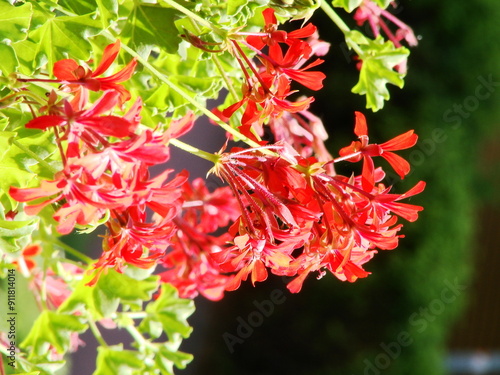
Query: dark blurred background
(431, 306)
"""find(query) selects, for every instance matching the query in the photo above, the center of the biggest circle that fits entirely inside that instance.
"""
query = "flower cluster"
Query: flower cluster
(106, 161)
(297, 219)
(284, 210)
(268, 85)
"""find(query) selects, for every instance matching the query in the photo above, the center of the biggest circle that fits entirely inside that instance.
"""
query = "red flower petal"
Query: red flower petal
(269, 16)
(65, 70)
(109, 55)
(44, 122)
(360, 128)
(304, 32)
(400, 142)
(400, 165)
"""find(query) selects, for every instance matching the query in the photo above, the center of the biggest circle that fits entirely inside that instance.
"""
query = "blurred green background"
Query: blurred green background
(405, 317)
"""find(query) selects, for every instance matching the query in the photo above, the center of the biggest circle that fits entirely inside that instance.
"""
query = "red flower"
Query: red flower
(83, 123)
(85, 200)
(190, 268)
(290, 63)
(273, 36)
(389, 202)
(78, 77)
(362, 149)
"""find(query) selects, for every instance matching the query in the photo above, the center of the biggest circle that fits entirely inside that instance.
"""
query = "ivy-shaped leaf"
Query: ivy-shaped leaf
(108, 9)
(52, 329)
(377, 70)
(171, 312)
(15, 234)
(60, 37)
(9, 61)
(103, 299)
(115, 360)
(235, 6)
(348, 5)
(383, 3)
(20, 169)
(166, 357)
(14, 21)
(150, 26)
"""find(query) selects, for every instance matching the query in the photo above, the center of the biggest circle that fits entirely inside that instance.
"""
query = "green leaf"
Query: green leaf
(25, 53)
(78, 7)
(377, 70)
(15, 234)
(62, 37)
(235, 6)
(108, 9)
(348, 5)
(21, 170)
(52, 329)
(166, 357)
(115, 360)
(383, 3)
(8, 60)
(103, 299)
(150, 26)
(14, 21)
(171, 312)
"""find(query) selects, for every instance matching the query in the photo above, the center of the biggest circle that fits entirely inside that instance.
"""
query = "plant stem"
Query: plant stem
(137, 336)
(73, 252)
(182, 93)
(195, 17)
(195, 151)
(341, 25)
(347, 157)
(27, 151)
(96, 332)
(218, 64)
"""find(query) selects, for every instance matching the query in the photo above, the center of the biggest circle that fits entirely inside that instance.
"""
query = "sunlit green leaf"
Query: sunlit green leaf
(104, 297)
(14, 21)
(383, 3)
(62, 37)
(166, 357)
(234, 6)
(115, 360)
(170, 311)
(348, 5)
(8, 60)
(379, 59)
(52, 329)
(150, 26)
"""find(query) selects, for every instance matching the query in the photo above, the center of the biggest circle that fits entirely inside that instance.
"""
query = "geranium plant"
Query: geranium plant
(95, 93)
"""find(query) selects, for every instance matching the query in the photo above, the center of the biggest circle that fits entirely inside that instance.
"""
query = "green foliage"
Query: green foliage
(168, 314)
(60, 37)
(51, 330)
(348, 5)
(115, 360)
(16, 234)
(151, 26)
(173, 77)
(103, 299)
(379, 58)
(14, 21)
